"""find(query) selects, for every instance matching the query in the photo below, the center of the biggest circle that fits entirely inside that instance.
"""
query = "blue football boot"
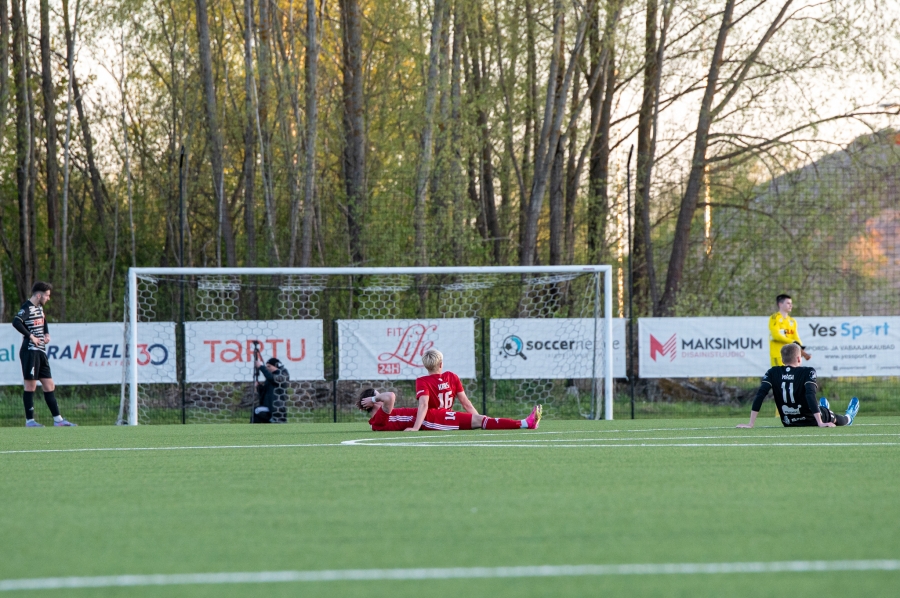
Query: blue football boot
(852, 410)
(823, 402)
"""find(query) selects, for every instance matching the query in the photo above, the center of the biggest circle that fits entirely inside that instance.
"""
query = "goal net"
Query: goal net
(516, 336)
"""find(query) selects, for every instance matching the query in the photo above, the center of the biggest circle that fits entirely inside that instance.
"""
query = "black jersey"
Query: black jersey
(794, 389)
(30, 320)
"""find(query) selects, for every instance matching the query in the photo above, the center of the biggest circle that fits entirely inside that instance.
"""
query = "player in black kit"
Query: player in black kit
(32, 325)
(794, 388)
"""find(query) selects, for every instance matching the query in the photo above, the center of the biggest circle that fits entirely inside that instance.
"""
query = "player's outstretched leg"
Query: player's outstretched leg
(502, 423)
(499, 423)
(852, 410)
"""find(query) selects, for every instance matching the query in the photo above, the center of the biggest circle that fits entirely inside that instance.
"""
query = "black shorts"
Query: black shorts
(828, 417)
(35, 365)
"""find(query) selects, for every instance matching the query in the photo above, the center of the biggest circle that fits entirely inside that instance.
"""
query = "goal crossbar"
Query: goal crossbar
(606, 270)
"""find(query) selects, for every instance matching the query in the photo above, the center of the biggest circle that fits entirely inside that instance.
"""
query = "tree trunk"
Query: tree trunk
(698, 164)
(70, 66)
(4, 66)
(488, 205)
(644, 274)
(249, 166)
(437, 186)
(532, 122)
(99, 195)
(130, 194)
(354, 165)
(4, 105)
(554, 111)
(701, 142)
(428, 132)
(555, 198)
(475, 197)
(49, 95)
(601, 108)
(249, 139)
(456, 176)
(20, 72)
(215, 140)
(294, 142)
(32, 154)
(573, 175)
(265, 138)
(556, 190)
(312, 123)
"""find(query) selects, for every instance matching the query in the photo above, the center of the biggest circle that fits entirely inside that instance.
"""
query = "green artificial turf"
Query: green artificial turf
(548, 500)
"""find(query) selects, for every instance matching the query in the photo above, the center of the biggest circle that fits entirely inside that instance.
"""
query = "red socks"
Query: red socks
(500, 423)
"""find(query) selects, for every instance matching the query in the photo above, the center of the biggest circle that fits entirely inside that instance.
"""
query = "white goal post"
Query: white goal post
(590, 304)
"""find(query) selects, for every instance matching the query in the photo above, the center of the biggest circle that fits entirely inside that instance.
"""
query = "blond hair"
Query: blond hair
(790, 352)
(432, 360)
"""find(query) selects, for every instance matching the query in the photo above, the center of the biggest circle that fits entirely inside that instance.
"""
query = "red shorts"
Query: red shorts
(435, 419)
(444, 419)
(397, 421)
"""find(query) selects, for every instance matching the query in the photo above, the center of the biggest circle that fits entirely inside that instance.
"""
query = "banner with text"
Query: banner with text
(224, 351)
(703, 347)
(739, 347)
(554, 348)
(862, 346)
(95, 353)
(393, 349)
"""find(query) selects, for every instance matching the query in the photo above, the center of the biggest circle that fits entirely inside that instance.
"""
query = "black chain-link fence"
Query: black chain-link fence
(825, 233)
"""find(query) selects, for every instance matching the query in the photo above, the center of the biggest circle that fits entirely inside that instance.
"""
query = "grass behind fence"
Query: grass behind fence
(99, 405)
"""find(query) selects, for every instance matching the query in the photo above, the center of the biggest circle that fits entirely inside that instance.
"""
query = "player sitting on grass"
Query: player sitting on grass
(438, 390)
(794, 388)
(385, 418)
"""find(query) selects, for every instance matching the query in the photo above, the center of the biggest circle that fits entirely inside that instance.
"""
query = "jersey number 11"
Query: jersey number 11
(787, 389)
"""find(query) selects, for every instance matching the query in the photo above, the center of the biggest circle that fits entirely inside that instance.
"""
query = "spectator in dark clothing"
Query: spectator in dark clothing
(272, 392)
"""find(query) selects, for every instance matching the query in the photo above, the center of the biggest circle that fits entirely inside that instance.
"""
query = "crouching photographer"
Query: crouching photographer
(271, 391)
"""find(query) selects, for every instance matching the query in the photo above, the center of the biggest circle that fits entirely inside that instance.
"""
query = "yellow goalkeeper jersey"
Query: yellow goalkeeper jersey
(782, 331)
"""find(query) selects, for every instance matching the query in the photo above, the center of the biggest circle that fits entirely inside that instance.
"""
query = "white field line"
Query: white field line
(54, 583)
(547, 441)
(642, 445)
(161, 448)
(408, 441)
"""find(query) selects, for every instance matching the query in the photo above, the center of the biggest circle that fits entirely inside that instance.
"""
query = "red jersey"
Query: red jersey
(441, 389)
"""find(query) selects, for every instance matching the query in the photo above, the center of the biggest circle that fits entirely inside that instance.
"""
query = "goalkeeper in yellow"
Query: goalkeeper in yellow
(783, 331)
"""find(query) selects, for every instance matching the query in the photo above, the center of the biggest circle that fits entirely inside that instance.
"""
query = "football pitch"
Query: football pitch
(577, 508)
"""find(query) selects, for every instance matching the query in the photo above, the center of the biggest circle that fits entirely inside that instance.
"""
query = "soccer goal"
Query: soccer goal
(515, 335)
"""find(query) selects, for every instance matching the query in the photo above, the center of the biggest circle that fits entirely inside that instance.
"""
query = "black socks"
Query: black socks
(28, 399)
(51, 403)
